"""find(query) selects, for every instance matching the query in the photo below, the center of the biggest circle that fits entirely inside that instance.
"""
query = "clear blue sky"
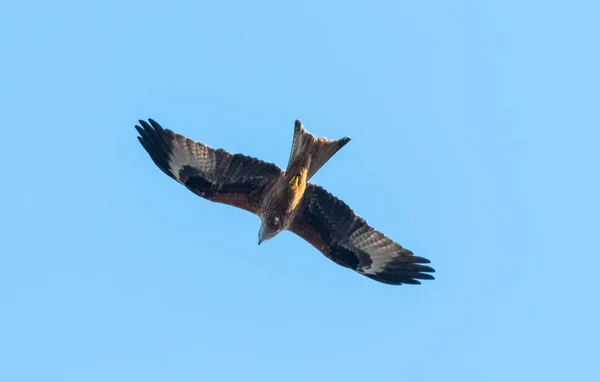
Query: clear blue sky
(475, 129)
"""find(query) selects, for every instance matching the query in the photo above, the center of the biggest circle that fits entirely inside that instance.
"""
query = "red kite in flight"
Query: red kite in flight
(286, 199)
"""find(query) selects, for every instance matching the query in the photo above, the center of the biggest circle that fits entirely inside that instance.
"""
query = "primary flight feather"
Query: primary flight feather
(286, 199)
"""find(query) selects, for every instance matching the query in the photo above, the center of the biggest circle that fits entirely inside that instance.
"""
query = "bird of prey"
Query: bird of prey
(286, 200)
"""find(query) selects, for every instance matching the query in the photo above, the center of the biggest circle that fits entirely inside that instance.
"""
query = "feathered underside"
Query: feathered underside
(322, 219)
(216, 175)
(333, 228)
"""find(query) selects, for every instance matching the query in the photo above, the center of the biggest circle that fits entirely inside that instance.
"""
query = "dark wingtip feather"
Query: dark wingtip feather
(405, 270)
(425, 276)
(156, 125)
(153, 140)
(144, 124)
(417, 259)
(392, 281)
(425, 268)
(140, 130)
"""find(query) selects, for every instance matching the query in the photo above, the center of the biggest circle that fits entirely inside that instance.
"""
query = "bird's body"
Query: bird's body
(279, 207)
(285, 200)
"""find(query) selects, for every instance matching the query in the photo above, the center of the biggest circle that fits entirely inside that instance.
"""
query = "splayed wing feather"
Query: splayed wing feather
(334, 229)
(213, 174)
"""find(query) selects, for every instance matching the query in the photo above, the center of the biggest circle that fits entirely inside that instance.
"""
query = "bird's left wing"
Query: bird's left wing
(213, 174)
(334, 229)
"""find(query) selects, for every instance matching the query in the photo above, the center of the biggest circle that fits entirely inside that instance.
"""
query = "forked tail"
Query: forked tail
(320, 150)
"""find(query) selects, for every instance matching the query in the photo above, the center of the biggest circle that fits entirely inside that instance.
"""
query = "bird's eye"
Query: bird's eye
(277, 221)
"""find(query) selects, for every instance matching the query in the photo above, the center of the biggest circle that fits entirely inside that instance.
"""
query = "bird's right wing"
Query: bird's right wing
(334, 229)
(216, 175)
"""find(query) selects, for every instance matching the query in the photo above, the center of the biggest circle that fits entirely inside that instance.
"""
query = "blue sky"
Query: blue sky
(475, 144)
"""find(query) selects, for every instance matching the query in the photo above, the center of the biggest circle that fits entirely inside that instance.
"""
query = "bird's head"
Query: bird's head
(270, 226)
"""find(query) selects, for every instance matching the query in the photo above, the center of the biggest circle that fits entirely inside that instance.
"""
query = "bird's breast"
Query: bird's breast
(295, 189)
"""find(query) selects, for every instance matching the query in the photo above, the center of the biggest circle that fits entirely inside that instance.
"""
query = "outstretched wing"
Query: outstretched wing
(334, 229)
(216, 175)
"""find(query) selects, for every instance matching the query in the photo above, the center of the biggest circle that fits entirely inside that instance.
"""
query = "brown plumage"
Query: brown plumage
(286, 199)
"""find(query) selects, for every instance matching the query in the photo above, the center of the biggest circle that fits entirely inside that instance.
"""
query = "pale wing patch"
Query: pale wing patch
(380, 249)
(186, 152)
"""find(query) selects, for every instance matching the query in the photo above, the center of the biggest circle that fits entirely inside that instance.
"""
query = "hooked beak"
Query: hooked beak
(260, 234)
(264, 234)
